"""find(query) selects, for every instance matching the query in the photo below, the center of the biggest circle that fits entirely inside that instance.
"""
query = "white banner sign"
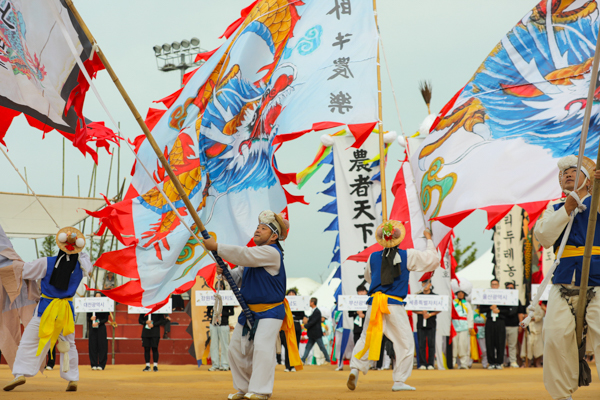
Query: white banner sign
(352, 302)
(498, 297)
(298, 303)
(534, 290)
(508, 247)
(207, 298)
(419, 302)
(94, 304)
(166, 309)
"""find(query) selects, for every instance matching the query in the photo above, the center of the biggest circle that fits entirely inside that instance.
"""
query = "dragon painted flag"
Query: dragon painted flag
(288, 67)
(497, 142)
(39, 75)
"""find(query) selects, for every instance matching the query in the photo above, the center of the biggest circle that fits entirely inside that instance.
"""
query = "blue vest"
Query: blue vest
(564, 272)
(260, 287)
(398, 288)
(51, 291)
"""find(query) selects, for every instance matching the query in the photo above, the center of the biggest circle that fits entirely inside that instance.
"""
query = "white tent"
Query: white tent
(21, 215)
(305, 286)
(325, 293)
(479, 272)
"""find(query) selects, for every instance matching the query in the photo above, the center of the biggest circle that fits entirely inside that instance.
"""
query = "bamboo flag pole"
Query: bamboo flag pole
(161, 157)
(381, 143)
(591, 229)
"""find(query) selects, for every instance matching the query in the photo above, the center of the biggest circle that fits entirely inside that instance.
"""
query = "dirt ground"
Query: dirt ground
(189, 382)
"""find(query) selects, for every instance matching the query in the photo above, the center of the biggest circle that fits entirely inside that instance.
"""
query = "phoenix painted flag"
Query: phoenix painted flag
(497, 142)
(288, 67)
(39, 75)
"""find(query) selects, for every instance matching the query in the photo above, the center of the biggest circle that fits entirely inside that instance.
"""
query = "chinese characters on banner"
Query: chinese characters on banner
(417, 302)
(508, 248)
(499, 297)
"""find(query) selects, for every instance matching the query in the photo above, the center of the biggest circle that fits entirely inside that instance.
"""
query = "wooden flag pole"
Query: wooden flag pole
(159, 154)
(381, 143)
(591, 229)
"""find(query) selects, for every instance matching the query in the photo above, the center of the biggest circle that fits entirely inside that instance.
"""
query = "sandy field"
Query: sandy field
(323, 382)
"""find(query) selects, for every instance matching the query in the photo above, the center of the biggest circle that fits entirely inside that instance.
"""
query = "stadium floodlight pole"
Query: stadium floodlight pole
(381, 142)
(591, 229)
(162, 159)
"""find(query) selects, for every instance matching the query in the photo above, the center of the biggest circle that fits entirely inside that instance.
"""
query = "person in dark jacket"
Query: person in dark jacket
(358, 316)
(495, 329)
(426, 326)
(298, 318)
(97, 341)
(314, 331)
(151, 337)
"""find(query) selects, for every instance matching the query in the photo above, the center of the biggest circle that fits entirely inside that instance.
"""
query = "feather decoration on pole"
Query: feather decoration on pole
(426, 89)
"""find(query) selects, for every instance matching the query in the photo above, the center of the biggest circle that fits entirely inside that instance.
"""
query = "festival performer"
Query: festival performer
(561, 357)
(463, 325)
(261, 275)
(54, 316)
(387, 271)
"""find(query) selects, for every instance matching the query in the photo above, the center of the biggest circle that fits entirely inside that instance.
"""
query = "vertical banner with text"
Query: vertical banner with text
(508, 247)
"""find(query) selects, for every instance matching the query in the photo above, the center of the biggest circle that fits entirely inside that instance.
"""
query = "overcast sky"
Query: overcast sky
(438, 40)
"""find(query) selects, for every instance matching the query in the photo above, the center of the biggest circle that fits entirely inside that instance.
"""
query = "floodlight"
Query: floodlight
(195, 41)
(157, 50)
(185, 43)
(166, 48)
(175, 46)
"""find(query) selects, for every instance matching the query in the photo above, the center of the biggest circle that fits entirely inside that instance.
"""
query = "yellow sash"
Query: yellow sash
(458, 301)
(287, 327)
(57, 317)
(375, 329)
(574, 251)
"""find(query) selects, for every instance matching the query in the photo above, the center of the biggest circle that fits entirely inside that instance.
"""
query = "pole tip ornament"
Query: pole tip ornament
(587, 167)
(70, 240)
(390, 233)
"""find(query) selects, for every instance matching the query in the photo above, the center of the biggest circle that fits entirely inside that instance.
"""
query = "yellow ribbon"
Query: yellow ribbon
(375, 329)
(290, 337)
(574, 251)
(474, 349)
(57, 317)
(206, 354)
(263, 307)
(458, 301)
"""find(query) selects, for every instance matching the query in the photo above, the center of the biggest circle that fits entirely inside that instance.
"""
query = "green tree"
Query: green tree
(464, 256)
(49, 247)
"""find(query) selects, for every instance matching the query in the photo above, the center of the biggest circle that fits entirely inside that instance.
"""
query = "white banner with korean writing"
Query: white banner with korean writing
(298, 303)
(359, 215)
(207, 298)
(94, 304)
(416, 302)
(353, 302)
(508, 247)
(499, 297)
(166, 309)
(534, 290)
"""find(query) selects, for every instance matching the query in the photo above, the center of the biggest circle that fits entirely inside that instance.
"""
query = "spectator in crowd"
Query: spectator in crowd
(358, 316)
(151, 337)
(495, 330)
(512, 328)
(314, 331)
(177, 302)
(219, 337)
(426, 328)
(97, 339)
(298, 317)
(110, 281)
(535, 343)
(463, 325)
(479, 326)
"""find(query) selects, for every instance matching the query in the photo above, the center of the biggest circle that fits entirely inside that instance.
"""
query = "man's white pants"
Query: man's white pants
(561, 359)
(461, 348)
(512, 339)
(440, 344)
(219, 337)
(28, 364)
(253, 362)
(397, 328)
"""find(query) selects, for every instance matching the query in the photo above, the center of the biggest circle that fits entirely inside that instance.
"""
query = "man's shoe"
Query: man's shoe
(224, 369)
(236, 396)
(514, 365)
(464, 367)
(340, 368)
(72, 386)
(491, 366)
(430, 367)
(49, 368)
(155, 369)
(286, 370)
(146, 369)
(99, 369)
(93, 368)
(14, 383)
(422, 367)
(401, 387)
(293, 369)
(254, 396)
(499, 366)
(213, 368)
(352, 379)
